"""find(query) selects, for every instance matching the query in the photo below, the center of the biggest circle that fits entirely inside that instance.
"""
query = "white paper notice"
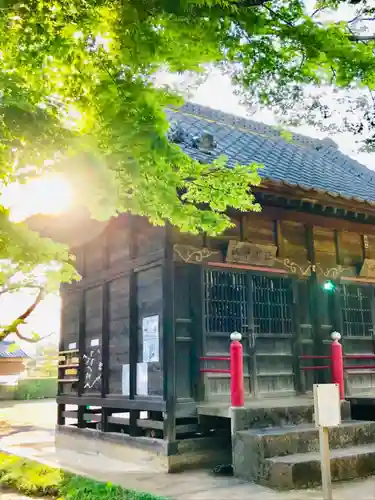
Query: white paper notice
(125, 381)
(142, 379)
(150, 331)
(73, 345)
(94, 342)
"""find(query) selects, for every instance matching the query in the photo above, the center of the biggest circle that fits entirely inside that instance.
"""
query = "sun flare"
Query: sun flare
(49, 194)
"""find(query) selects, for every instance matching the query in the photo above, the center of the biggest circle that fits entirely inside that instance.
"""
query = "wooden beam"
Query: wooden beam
(315, 196)
(97, 279)
(319, 220)
(264, 269)
(123, 403)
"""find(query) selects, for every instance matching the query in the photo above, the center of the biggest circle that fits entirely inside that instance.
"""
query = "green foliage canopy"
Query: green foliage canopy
(78, 87)
(79, 94)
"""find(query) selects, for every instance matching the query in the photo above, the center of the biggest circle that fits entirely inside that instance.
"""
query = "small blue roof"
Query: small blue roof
(6, 351)
(305, 162)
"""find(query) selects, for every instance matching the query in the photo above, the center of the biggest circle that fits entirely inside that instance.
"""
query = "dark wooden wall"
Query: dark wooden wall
(126, 278)
(121, 284)
(308, 250)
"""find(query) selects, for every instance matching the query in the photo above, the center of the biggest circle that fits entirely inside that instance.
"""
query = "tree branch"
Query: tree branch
(288, 23)
(360, 38)
(251, 3)
(31, 340)
(13, 328)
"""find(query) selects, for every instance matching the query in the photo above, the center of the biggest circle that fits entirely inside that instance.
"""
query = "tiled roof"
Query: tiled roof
(6, 351)
(311, 164)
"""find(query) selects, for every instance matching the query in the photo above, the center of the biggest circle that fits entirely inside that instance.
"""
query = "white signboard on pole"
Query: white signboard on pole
(150, 333)
(327, 408)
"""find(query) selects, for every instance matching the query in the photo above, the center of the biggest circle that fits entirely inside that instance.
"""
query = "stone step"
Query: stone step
(302, 470)
(303, 438)
(281, 413)
(252, 448)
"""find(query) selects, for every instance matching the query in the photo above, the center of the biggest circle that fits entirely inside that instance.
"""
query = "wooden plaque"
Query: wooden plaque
(368, 269)
(241, 252)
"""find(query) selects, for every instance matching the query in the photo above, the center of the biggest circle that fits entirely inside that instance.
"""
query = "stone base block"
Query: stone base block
(261, 454)
(147, 453)
(303, 470)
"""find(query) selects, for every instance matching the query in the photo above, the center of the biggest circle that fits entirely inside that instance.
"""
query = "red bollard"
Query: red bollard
(337, 366)
(237, 392)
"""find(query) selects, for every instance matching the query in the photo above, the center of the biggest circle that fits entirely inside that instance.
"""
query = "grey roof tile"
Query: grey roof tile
(304, 161)
(6, 350)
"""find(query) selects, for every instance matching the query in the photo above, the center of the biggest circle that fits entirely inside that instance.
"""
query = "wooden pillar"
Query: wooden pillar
(61, 344)
(60, 414)
(196, 304)
(314, 297)
(82, 351)
(169, 341)
(105, 354)
(297, 345)
(133, 351)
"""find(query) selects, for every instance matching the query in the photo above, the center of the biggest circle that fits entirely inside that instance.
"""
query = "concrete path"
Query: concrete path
(193, 485)
(38, 443)
(5, 495)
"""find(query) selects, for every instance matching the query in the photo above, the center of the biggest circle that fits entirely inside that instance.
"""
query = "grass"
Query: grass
(35, 479)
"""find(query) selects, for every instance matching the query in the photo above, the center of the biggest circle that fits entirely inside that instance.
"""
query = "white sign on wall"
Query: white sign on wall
(327, 406)
(142, 379)
(125, 381)
(150, 333)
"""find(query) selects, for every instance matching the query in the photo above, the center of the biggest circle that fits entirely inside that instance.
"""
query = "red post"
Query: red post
(237, 392)
(337, 366)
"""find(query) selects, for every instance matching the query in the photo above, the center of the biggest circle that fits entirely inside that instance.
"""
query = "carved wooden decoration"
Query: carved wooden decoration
(188, 253)
(241, 252)
(296, 268)
(332, 272)
(368, 269)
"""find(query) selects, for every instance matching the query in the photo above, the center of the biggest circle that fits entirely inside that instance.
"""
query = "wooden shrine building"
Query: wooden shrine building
(153, 301)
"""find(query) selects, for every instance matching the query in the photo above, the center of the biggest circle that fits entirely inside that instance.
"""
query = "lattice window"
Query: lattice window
(272, 305)
(226, 301)
(356, 307)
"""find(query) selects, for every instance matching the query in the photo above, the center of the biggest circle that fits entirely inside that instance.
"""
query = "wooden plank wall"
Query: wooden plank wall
(103, 297)
(119, 338)
(150, 303)
(317, 248)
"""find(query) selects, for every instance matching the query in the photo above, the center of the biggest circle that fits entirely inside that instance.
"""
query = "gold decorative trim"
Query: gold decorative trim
(295, 268)
(189, 253)
(332, 272)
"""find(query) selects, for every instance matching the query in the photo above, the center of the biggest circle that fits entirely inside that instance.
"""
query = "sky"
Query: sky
(54, 195)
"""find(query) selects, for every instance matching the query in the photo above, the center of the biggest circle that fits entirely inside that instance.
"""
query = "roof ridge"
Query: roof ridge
(253, 125)
(329, 147)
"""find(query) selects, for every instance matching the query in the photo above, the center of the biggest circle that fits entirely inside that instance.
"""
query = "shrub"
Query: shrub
(33, 478)
(35, 388)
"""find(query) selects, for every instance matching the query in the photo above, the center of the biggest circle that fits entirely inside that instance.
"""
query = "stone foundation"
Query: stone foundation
(152, 453)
